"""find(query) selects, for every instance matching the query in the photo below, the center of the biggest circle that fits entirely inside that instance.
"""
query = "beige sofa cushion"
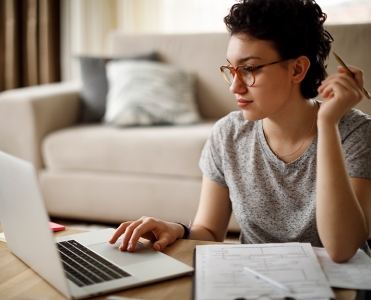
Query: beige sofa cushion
(160, 150)
(199, 54)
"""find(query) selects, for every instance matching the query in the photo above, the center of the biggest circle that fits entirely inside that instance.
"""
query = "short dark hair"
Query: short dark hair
(294, 27)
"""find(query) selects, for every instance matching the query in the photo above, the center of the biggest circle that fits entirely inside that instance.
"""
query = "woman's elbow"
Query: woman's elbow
(339, 255)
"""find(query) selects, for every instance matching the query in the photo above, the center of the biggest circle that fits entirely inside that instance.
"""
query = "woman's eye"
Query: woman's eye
(247, 70)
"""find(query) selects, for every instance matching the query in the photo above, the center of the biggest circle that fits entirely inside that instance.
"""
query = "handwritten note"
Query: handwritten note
(220, 275)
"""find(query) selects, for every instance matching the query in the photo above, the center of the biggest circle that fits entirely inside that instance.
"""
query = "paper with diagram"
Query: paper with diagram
(353, 274)
(220, 275)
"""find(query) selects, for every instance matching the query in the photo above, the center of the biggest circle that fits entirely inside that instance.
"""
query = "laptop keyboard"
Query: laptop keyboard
(84, 267)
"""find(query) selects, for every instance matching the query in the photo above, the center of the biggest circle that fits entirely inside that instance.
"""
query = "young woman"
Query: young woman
(292, 169)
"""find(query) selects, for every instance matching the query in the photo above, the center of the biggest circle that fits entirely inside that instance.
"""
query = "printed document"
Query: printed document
(220, 275)
(353, 274)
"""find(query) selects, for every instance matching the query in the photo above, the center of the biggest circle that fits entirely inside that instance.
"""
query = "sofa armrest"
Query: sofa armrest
(28, 114)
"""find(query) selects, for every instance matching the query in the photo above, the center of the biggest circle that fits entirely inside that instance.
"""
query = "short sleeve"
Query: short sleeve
(211, 161)
(356, 141)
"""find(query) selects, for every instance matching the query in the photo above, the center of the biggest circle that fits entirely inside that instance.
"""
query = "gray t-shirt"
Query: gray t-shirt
(273, 201)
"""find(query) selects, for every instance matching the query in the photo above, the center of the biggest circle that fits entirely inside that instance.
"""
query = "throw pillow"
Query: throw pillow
(149, 93)
(95, 85)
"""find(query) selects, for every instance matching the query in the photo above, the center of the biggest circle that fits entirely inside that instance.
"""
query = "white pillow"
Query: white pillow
(149, 93)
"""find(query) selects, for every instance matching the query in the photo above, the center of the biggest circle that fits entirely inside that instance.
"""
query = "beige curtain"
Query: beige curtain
(85, 23)
(29, 43)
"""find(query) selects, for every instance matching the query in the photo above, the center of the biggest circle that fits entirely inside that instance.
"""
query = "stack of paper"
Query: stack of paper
(220, 271)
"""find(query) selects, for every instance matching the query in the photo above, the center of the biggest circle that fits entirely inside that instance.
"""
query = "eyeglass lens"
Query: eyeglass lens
(245, 76)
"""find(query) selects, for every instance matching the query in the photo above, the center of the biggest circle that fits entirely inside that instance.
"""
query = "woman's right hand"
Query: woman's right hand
(160, 232)
(340, 92)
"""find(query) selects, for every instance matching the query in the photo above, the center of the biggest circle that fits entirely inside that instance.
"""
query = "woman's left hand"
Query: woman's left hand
(340, 92)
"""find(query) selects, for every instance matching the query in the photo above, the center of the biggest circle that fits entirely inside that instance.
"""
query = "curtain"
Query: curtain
(29, 43)
(85, 23)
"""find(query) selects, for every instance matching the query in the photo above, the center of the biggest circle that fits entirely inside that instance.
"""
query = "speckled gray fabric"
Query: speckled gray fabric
(275, 202)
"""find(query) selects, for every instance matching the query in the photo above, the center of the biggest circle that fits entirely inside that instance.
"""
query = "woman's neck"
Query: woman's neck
(290, 132)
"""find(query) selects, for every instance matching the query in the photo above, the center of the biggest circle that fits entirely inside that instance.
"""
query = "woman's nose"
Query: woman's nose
(237, 87)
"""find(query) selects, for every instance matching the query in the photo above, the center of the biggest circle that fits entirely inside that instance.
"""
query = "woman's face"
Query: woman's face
(272, 88)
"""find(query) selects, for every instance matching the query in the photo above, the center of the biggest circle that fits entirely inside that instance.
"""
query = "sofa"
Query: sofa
(96, 172)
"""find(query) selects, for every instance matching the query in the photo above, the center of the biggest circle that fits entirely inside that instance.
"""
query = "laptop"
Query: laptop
(78, 266)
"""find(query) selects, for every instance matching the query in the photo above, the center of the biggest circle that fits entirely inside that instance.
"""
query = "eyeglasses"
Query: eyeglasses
(244, 73)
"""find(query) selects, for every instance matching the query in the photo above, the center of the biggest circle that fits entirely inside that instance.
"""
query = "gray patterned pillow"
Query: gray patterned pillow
(149, 93)
(95, 85)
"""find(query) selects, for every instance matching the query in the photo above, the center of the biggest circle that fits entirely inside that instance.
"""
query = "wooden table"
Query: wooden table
(18, 281)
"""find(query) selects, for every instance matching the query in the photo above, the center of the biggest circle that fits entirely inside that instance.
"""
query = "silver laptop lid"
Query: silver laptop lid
(24, 219)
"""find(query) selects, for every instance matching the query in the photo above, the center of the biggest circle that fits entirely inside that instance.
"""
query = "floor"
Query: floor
(232, 237)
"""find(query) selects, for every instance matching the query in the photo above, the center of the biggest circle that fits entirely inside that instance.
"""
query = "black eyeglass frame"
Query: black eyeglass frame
(249, 69)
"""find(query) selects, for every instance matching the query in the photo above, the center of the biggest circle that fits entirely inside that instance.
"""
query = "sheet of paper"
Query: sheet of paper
(220, 275)
(353, 274)
(2, 237)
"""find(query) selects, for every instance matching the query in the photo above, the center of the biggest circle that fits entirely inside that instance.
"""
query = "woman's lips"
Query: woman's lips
(243, 103)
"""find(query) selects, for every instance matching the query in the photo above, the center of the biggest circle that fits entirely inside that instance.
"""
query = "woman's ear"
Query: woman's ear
(300, 68)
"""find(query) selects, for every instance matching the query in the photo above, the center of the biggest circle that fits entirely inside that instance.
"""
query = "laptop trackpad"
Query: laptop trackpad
(125, 258)
(143, 263)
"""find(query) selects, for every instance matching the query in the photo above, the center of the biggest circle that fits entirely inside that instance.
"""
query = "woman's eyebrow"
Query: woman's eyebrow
(245, 59)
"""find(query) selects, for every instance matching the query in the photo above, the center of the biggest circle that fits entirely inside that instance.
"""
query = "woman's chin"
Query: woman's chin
(250, 116)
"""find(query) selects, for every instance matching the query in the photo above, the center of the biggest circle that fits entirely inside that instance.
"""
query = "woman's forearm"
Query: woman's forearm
(341, 223)
(203, 234)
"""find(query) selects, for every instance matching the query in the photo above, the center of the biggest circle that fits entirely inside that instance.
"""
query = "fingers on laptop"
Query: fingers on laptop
(148, 228)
